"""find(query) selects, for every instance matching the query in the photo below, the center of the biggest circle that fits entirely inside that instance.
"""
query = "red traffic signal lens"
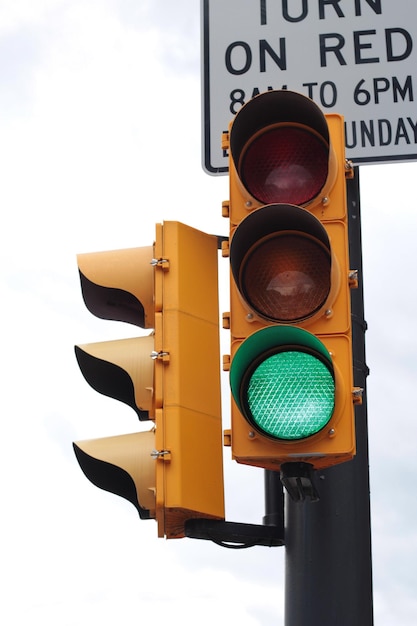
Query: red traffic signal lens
(285, 164)
(286, 277)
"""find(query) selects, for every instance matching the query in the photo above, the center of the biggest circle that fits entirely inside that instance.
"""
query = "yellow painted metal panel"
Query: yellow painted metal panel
(190, 418)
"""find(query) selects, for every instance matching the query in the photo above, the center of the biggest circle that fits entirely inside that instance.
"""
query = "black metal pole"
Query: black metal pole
(274, 500)
(328, 543)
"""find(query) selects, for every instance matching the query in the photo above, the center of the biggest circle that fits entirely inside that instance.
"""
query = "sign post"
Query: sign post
(328, 564)
(354, 57)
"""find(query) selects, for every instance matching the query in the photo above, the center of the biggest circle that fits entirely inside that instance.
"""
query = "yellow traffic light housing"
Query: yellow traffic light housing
(291, 370)
(173, 472)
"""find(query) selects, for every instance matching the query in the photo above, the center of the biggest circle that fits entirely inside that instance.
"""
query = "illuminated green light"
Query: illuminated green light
(282, 380)
(290, 395)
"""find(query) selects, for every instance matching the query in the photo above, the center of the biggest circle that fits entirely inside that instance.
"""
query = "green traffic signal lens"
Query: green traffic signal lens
(283, 382)
(290, 395)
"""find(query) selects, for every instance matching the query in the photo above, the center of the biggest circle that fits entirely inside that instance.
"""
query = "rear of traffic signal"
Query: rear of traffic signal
(173, 471)
(291, 370)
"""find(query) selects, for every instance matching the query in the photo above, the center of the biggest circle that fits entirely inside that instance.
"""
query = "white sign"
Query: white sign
(354, 57)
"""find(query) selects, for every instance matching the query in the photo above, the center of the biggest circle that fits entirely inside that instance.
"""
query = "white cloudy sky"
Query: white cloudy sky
(99, 139)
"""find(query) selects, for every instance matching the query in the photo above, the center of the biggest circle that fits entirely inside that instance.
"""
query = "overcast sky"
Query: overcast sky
(100, 130)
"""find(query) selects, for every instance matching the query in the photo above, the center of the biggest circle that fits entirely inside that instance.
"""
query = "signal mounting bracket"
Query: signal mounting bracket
(299, 481)
(234, 534)
(240, 535)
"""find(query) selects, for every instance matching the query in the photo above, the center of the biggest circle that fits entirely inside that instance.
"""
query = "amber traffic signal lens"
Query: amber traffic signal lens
(285, 164)
(286, 277)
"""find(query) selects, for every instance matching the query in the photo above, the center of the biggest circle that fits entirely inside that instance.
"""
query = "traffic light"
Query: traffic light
(171, 377)
(291, 370)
